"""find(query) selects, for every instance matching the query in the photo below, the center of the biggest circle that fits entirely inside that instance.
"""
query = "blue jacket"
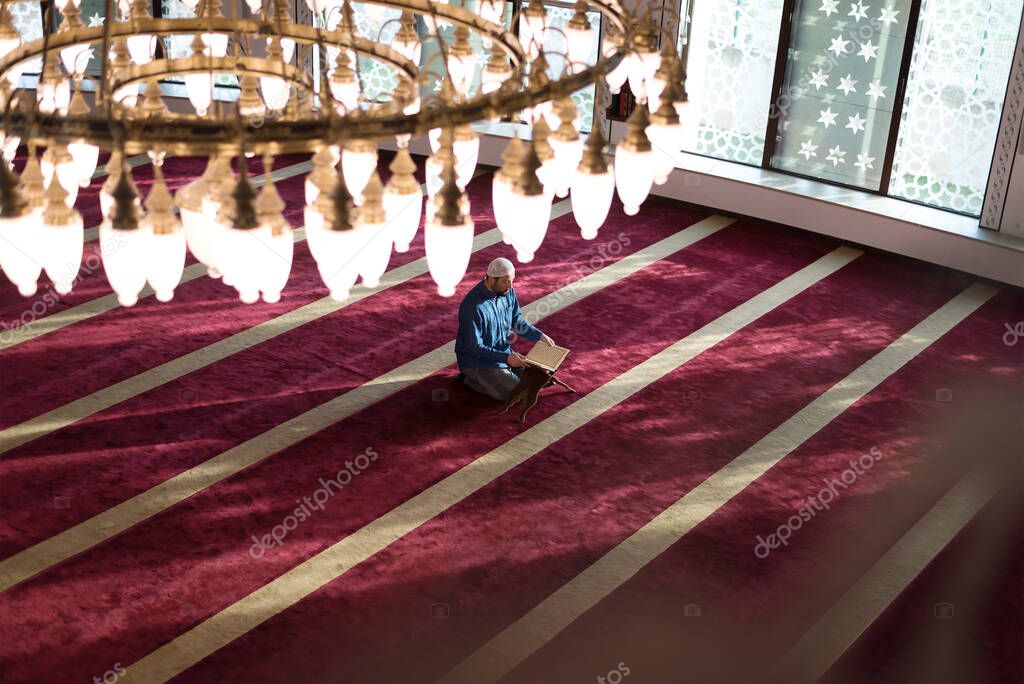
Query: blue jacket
(485, 322)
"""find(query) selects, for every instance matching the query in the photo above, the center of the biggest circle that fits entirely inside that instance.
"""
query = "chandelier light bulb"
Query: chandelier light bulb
(448, 252)
(275, 92)
(76, 58)
(634, 163)
(279, 245)
(126, 255)
(461, 61)
(86, 157)
(199, 88)
(403, 200)
(358, 162)
(53, 92)
(666, 136)
(240, 239)
(533, 28)
(496, 71)
(141, 48)
(19, 225)
(10, 147)
(532, 208)
(20, 251)
(492, 11)
(568, 153)
(165, 248)
(448, 231)
(669, 69)
(61, 236)
(579, 36)
(113, 169)
(502, 203)
(448, 249)
(375, 233)
(196, 219)
(407, 40)
(127, 96)
(125, 241)
(593, 186)
(337, 243)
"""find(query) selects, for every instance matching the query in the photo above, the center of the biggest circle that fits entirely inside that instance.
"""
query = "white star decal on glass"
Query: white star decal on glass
(835, 155)
(856, 123)
(828, 117)
(868, 51)
(888, 16)
(865, 162)
(819, 79)
(859, 10)
(846, 84)
(876, 89)
(829, 7)
(808, 150)
(95, 21)
(838, 45)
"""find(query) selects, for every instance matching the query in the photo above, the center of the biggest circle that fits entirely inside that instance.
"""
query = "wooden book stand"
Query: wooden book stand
(526, 393)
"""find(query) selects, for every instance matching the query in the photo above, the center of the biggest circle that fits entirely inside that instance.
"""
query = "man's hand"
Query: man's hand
(516, 360)
(547, 340)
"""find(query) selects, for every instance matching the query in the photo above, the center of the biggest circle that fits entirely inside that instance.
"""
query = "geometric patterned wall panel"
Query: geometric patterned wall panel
(958, 75)
(730, 66)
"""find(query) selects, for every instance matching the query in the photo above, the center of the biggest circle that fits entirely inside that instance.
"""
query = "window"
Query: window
(958, 78)
(729, 51)
(895, 97)
(836, 104)
(28, 21)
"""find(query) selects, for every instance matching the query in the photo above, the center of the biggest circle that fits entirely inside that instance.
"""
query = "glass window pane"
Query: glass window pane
(431, 62)
(180, 46)
(555, 46)
(176, 47)
(955, 91)
(28, 21)
(836, 107)
(380, 24)
(730, 66)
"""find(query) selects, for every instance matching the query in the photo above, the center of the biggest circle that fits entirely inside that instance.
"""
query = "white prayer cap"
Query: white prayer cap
(501, 267)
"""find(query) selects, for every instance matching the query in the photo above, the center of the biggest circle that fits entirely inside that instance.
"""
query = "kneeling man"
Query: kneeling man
(488, 315)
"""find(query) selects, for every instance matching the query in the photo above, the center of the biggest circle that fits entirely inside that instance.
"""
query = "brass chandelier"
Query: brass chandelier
(352, 220)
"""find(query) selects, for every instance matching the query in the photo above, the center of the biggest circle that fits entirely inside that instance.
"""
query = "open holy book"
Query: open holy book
(546, 356)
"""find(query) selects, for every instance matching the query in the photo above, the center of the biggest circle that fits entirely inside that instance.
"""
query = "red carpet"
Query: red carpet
(433, 597)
